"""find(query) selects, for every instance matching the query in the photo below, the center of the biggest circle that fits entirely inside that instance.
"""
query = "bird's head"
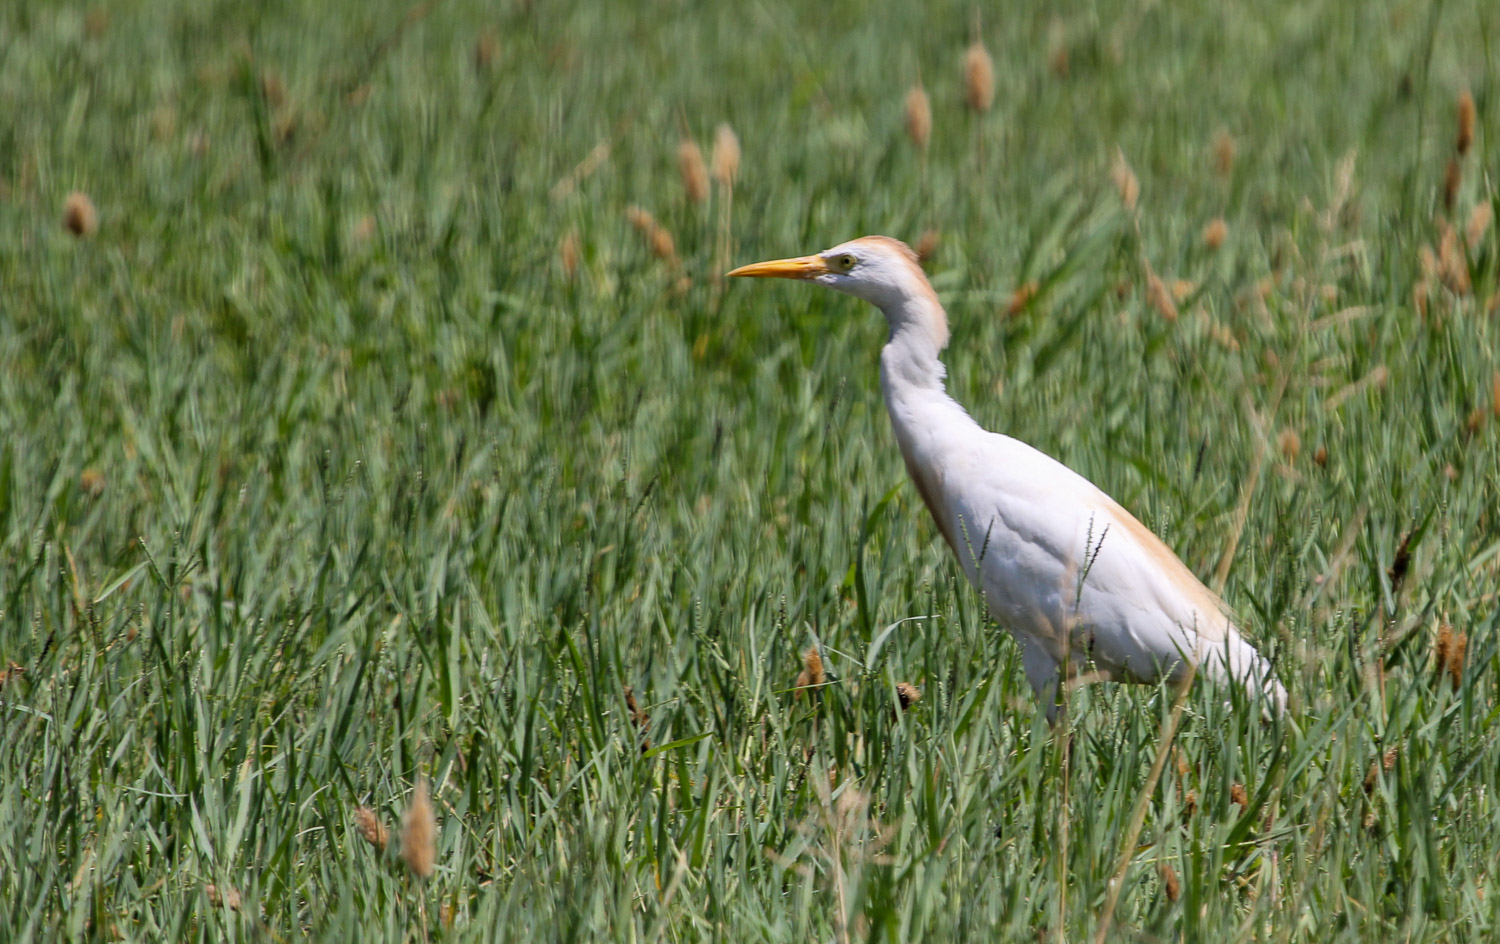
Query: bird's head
(876, 268)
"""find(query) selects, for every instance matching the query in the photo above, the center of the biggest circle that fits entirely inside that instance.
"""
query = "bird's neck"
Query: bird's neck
(919, 332)
(927, 422)
(923, 415)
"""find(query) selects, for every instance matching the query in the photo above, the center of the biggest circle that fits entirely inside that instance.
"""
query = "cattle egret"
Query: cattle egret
(1074, 577)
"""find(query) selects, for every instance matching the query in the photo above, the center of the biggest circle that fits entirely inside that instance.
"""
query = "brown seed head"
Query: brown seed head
(638, 717)
(1238, 796)
(1453, 266)
(79, 215)
(567, 253)
(641, 219)
(927, 246)
(370, 827)
(364, 229)
(1479, 224)
(657, 237)
(1126, 183)
(979, 78)
(95, 22)
(1020, 298)
(1427, 259)
(1160, 297)
(1476, 420)
(1451, 648)
(1290, 444)
(1465, 123)
(662, 245)
(1223, 153)
(419, 834)
(11, 672)
(918, 117)
(1058, 61)
(1453, 178)
(726, 158)
(1320, 456)
(1214, 233)
(91, 482)
(1385, 763)
(812, 664)
(486, 50)
(226, 896)
(908, 694)
(1169, 883)
(1495, 392)
(694, 172)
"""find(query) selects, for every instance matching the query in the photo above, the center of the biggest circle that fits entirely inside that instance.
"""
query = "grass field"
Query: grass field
(365, 435)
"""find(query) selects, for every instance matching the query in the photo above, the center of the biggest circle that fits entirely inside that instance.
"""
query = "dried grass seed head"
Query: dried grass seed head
(1453, 179)
(812, 661)
(979, 78)
(79, 215)
(91, 482)
(657, 236)
(227, 896)
(1290, 444)
(812, 669)
(662, 244)
(1453, 265)
(726, 157)
(694, 172)
(1451, 649)
(1169, 883)
(908, 694)
(1214, 233)
(1479, 224)
(918, 117)
(567, 253)
(1238, 796)
(1224, 153)
(927, 246)
(419, 833)
(638, 717)
(370, 827)
(486, 51)
(1466, 116)
(1160, 297)
(1021, 298)
(1126, 183)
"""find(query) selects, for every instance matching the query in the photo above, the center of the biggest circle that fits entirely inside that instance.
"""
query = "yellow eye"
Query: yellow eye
(845, 262)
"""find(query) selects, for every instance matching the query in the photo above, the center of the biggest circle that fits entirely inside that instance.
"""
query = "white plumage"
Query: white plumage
(1064, 568)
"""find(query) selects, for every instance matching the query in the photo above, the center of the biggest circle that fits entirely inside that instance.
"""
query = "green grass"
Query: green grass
(319, 474)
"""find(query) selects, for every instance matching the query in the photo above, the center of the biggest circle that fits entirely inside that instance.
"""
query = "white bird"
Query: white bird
(1072, 575)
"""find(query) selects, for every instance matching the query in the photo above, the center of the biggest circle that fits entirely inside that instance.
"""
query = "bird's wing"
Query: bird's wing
(1051, 549)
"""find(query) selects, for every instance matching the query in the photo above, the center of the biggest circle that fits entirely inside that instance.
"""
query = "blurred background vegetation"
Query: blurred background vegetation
(373, 411)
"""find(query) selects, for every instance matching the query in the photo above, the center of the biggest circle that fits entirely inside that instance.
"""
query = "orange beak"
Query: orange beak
(802, 267)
